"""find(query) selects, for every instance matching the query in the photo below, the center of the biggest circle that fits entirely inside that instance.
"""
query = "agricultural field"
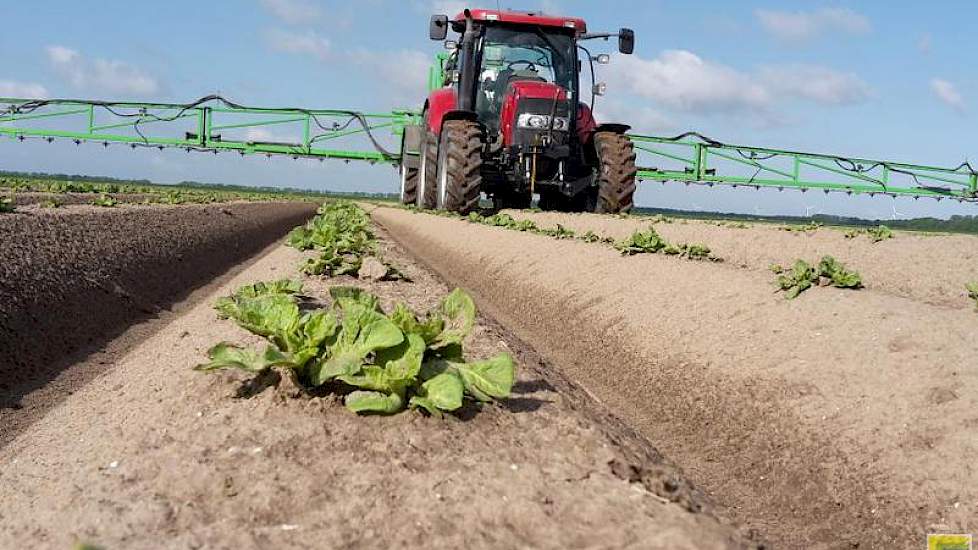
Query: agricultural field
(585, 381)
(32, 191)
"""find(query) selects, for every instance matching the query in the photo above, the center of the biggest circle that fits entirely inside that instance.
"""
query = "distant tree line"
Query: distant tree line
(954, 224)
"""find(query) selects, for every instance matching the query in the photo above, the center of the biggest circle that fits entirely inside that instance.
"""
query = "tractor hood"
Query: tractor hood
(527, 107)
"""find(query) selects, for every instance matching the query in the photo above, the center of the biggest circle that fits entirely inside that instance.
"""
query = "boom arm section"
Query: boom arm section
(694, 158)
(210, 124)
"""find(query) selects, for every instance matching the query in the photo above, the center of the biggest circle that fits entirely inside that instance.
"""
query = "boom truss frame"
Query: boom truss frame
(695, 159)
(202, 127)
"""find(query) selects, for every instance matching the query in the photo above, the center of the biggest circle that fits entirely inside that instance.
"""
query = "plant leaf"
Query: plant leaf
(443, 392)
(362, 331)
(230, 356)
(374, 402)
(457, 311)
(492, 378)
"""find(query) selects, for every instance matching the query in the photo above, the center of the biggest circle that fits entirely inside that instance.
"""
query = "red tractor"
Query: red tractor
(504, 117)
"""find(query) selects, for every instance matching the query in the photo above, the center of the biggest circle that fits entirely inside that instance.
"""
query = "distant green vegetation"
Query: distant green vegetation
(954, 224)
(187, 192)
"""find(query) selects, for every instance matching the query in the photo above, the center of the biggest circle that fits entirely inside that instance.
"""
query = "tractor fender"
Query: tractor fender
(411, 146)
(440, 103)
(613, 128)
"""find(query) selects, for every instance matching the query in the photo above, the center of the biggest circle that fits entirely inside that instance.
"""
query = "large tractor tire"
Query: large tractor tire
(410, 164)
(460, 166)
(616, 173)
(427, 191)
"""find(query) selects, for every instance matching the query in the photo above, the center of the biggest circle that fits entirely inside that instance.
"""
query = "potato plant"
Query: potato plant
(383, 362)
(6, 205)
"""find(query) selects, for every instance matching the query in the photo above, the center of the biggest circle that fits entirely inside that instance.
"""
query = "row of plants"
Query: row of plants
(640, 242)
(340, 233)
(381, 362)
(171, 194)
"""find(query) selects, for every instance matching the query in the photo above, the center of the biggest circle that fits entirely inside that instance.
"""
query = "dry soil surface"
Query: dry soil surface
(154, 455)
(74, 278)
(925, 268)
(840, 419)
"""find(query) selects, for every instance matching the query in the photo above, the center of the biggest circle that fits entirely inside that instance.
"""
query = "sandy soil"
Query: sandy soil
(152, 454)
(926, 268)
(841, 419)
(74, 278)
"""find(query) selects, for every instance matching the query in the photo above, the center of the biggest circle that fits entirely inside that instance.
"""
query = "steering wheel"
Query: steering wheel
(529, 65)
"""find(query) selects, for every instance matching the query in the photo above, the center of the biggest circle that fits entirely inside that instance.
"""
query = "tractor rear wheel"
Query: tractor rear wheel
(460, 166)
(426, 192)
(616, 173)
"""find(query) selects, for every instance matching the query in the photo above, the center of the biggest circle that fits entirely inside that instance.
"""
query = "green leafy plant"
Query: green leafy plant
(390, 361)
(51, 203)
(340, 232)
(837, 274)
(881, 233)
(807, 228)
(6, 205)
(105, 201)
(642, 242)
(590, 237)
(972, 289)
(558, 232)
(803, 276)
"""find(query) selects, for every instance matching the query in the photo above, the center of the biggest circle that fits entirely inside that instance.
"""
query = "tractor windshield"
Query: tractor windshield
(523, 53)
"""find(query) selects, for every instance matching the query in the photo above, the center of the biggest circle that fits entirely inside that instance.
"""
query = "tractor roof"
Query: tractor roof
(525, 18)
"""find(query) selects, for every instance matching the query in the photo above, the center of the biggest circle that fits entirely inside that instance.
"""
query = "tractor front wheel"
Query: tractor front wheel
(460, 166)
(616, 173)
(410, 164)
(426, 193)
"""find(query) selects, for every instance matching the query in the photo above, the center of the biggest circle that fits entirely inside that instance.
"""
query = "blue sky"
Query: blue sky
(873, 79)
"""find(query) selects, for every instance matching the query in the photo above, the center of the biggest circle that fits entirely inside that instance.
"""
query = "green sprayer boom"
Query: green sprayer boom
(213, 124)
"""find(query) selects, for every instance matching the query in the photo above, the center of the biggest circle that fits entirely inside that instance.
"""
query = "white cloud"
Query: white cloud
(641, 119)
(802, 26)
(293, 12)
(403, 72)
(308, 42)
(26, 90)
(947, 93)
(104, 75)
(682, 80)
(815, 83)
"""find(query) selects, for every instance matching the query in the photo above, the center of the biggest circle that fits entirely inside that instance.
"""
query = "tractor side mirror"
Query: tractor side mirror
(626, 41)
(438, 28)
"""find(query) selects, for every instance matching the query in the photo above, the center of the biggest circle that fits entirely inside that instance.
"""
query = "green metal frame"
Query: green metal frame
(200, 127)
(709, 163)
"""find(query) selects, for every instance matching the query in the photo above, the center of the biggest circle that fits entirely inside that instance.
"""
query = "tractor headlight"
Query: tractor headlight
(542, 122)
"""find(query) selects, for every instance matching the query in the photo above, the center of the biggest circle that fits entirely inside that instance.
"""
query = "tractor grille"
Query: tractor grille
(525, 136)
